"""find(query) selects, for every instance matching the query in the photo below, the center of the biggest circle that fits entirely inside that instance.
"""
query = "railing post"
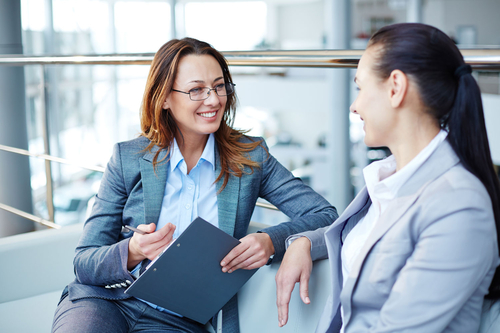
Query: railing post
(46, 143)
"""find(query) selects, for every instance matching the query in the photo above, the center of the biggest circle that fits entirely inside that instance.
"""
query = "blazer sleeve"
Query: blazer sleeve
(307, 209)
(317, 239)
(453, 256)
(102, 253)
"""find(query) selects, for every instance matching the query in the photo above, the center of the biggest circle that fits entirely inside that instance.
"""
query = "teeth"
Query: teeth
(207, 114)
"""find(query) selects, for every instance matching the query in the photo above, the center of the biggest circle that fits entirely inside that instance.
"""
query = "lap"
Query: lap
(91, 315)
(88, 315)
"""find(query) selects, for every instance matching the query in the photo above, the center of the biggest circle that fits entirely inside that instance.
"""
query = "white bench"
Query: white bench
(36, 266)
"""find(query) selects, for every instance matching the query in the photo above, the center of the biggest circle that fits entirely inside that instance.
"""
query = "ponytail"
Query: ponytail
(467, 136)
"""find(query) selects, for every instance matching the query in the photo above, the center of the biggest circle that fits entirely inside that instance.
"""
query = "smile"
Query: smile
(208, 114)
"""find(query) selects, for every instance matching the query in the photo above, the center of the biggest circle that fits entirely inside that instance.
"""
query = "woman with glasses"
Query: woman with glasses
(417, 249)
(187, 162)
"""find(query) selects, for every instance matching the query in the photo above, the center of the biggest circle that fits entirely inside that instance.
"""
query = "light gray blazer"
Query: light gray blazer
(427, 264)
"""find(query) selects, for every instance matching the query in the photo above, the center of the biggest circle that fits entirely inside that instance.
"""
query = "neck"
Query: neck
(191, 148)
(414, 136)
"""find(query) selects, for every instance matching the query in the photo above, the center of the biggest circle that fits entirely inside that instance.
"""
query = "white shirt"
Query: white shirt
(382, 183)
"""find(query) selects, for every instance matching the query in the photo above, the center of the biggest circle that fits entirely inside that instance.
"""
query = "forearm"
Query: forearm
(102, 265)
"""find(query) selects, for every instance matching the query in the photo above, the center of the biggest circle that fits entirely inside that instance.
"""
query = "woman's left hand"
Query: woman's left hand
(253, 252)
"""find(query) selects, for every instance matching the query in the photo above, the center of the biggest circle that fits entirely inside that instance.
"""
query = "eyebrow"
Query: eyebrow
(201, 81)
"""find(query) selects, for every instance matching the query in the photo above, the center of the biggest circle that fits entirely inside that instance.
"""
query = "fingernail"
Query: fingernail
(308, 300)
(223, 263)
(224, 269)
(230, 271)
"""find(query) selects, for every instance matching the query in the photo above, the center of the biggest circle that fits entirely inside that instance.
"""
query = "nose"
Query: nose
(352, 108)
(213, 98)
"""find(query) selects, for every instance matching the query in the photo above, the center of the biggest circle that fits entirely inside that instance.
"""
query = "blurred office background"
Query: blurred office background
(302, 112)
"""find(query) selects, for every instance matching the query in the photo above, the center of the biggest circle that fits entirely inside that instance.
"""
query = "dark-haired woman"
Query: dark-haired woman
(188, 162)
(416, 251)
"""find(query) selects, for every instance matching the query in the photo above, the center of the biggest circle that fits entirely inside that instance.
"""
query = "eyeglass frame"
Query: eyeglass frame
(209, 91)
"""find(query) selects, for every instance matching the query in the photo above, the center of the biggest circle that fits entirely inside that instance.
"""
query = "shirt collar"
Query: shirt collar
(381, 176)
(208, 154)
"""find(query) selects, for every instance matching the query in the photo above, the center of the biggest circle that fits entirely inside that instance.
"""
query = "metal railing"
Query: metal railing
(479, 59)
(483, 59)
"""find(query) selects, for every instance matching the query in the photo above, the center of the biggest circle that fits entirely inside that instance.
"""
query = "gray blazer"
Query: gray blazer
(427, 264)
(131, 192)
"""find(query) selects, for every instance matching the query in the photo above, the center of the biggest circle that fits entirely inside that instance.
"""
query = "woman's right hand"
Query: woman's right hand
(296, 266)
(150, 245)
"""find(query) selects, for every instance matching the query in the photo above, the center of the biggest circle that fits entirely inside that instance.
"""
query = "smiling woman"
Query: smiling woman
(189, 161)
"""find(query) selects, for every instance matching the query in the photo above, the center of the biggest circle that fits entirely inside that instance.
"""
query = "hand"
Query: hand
(253, 252)
(296, 266)
(150, 245)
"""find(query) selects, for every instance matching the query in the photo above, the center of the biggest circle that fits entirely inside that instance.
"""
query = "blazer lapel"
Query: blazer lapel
(153, 185)
(354, 207)
(438, 163)
(227, 200)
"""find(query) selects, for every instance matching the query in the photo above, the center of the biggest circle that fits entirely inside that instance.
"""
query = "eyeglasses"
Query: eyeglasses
(200, 94)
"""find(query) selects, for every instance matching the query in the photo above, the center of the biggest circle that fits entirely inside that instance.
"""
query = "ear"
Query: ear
(166, 104)
(398, 87)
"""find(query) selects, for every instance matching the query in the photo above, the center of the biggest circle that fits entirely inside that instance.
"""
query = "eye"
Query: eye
(196, 90)
(220, 86)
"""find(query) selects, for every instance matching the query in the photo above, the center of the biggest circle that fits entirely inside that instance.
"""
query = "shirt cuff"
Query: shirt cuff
(293, 238)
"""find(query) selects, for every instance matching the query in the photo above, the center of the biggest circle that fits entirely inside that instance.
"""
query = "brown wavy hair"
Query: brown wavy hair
(158, 125)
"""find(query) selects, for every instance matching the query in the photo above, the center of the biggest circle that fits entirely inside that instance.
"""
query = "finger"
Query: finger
(250, 263)
(161, 236)
(242, 260)
(149, 228)
(283, 294)
(304, 288)
(235, 252)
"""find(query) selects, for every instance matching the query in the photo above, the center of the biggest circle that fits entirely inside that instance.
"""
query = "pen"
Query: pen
(139, 231)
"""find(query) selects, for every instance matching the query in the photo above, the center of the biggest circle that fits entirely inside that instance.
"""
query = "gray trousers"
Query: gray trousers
(130, 315)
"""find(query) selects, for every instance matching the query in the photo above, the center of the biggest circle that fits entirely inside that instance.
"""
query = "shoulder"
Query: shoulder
(134, 148)
(250, 139)
(457, 181)
(460, 195)
(260, 152)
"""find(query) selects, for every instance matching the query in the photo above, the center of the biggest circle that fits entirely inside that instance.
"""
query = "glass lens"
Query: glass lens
(225, 89)
(198, 94)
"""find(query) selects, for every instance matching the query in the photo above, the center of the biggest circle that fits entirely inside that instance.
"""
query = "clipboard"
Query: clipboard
(187, 277)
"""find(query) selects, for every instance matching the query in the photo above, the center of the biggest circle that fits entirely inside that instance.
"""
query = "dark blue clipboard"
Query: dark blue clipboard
(187, 278)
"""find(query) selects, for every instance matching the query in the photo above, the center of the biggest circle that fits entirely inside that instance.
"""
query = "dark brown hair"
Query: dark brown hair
(158, 125)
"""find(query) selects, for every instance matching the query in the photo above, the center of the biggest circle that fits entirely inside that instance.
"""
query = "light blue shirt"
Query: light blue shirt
(188, 196)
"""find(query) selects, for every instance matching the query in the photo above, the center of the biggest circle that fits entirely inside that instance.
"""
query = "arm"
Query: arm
(307, 209)
(454, 252)
(103, 255)
(296, 266)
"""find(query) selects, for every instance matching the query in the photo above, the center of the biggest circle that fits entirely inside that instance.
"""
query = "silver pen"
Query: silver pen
(139, 231)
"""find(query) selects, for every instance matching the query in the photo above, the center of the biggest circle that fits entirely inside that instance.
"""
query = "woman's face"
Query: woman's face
(197, 118)
(372, 103)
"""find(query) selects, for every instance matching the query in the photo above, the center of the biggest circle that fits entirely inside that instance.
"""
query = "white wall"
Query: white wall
(491, 105)
(448, 15)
